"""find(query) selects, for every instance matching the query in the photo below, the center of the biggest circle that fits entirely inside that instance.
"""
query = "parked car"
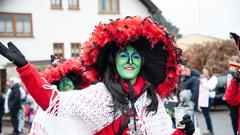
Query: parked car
(220, 89)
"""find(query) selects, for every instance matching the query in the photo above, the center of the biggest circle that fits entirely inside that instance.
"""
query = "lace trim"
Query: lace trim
(87, 111)
(53, 103)
(160, 123)
(90, 106)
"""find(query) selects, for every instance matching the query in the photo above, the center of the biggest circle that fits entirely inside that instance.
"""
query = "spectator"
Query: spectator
(14, 103)
(21, 117)
(1, 110)
(190, 81)
(55, 60)
(184, 99)
(206, 97)
(30, 111)
(8, 86)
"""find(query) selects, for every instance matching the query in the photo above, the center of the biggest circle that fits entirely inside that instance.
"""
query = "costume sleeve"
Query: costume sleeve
(232, 94)
(14, 101)
(37, 86)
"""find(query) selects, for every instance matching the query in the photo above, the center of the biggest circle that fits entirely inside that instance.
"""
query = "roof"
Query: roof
(194, 39)
(152, 8)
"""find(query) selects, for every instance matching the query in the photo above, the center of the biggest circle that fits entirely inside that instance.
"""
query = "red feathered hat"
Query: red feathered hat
(161, 53)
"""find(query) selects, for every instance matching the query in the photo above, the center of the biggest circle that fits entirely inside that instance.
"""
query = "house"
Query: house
(45, 27)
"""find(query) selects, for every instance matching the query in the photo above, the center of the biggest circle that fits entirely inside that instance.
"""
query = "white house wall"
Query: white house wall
(61, 25)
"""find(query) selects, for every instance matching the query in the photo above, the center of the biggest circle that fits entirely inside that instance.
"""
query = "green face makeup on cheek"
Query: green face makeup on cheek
(128, 63)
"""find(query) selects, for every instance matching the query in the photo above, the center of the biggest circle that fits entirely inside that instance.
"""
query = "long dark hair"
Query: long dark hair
(107, 69)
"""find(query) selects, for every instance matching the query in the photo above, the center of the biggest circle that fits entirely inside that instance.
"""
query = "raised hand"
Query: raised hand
(13, 54)
(189, 127)
(236, 76)
(236, 38)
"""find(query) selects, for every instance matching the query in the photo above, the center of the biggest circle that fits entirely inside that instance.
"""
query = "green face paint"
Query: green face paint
(128, 63)
(66, 84)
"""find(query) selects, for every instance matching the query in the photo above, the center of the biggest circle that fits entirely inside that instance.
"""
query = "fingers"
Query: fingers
(234, 36)
(236, 39)
(185, 121)
(14, 48)
(190, 130)
(231, 33)
(189, 127)
(2, 47)
(187, 116)
(4, 51)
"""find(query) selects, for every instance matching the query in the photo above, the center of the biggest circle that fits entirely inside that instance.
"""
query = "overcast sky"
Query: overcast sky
(214, 18)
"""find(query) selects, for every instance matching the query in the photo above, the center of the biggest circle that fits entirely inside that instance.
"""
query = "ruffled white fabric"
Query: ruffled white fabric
(160, 123)
(90, 107)
(87, 111)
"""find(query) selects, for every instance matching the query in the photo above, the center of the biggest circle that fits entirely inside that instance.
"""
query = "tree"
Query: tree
(158, 17)
(214, 56)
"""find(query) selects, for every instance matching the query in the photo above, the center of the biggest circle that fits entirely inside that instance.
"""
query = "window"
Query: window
(15, 24)
(56, 4)
(75, 49)
(73, 4)
(108, 6)
(58, 49)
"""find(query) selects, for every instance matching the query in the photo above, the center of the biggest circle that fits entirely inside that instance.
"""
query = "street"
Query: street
(220, 120)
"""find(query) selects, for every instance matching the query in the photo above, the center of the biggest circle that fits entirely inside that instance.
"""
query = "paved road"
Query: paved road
(220, 119)
(7, 128)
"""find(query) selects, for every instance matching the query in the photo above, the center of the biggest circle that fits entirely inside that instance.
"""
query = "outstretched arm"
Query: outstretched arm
(39, 89)
(42, 92)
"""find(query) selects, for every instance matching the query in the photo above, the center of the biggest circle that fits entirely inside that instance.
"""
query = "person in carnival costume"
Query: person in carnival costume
(232, 94)
(126, 68)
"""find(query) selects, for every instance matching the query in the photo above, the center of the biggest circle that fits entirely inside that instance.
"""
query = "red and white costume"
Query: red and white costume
(83, 112)
(89, 111)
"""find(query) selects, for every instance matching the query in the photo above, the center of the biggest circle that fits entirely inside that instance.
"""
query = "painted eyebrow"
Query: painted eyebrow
(136, 54)
(123, 53)
(122, 49)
